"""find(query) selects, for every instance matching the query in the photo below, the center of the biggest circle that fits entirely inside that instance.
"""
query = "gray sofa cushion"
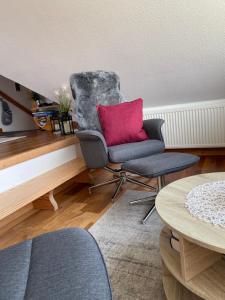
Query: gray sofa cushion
(14, 270)
(126, 152)
(66, 264)
(160, 164)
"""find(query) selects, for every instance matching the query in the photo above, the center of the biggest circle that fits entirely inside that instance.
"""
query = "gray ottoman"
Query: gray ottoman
(158, 165)
(65, 264)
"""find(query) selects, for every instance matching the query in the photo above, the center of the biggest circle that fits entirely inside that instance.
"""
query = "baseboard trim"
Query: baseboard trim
(200, 151)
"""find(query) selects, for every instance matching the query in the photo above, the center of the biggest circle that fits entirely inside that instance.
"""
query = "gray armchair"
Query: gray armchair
(61, 265)
(90, 89)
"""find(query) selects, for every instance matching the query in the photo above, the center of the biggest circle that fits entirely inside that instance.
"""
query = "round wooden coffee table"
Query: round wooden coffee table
(196, 269)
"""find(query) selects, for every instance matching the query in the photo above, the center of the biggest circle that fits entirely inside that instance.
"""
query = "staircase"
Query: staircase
(9, 99)
(15, 107)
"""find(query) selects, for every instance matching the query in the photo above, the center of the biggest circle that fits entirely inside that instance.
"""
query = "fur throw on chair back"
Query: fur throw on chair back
(90, 89)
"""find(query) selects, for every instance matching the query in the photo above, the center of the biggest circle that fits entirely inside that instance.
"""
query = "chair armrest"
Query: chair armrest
(94, 148)
(153, 127)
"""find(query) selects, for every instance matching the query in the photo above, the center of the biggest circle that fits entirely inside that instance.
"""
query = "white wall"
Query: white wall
(167, 51)
(21, 120)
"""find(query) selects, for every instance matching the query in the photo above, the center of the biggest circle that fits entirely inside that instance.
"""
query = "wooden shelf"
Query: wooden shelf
(174, 290)
(14, 199)
(35, 144)
(208, 284)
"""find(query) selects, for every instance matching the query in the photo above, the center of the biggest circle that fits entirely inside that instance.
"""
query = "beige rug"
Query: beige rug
(131, 250)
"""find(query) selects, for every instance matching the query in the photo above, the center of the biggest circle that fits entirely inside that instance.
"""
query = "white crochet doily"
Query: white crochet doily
(207, 202)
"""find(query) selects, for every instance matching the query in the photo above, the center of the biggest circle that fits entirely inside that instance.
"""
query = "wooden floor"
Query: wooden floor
(78, 208)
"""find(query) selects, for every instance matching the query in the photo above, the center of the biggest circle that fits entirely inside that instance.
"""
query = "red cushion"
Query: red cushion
(122, 123)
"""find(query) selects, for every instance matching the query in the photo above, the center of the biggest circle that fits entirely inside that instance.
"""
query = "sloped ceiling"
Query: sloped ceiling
(164, 51)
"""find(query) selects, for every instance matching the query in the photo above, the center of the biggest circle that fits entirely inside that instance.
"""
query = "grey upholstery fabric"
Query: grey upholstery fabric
(153, 127)
(90, 89)
(14, 271)
(160, 164)
(62, 265)
(126, 152)
(94, 148)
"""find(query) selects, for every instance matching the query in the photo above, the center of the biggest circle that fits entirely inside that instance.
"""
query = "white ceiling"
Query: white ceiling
(166, 51)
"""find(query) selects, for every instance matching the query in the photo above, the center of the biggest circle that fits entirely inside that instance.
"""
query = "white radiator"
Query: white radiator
(192, 125)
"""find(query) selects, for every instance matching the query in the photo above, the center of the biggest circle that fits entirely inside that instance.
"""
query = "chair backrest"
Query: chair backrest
(90, 89)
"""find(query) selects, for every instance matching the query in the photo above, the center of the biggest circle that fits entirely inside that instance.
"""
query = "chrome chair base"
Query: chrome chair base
(120, 177)
(151, 199)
